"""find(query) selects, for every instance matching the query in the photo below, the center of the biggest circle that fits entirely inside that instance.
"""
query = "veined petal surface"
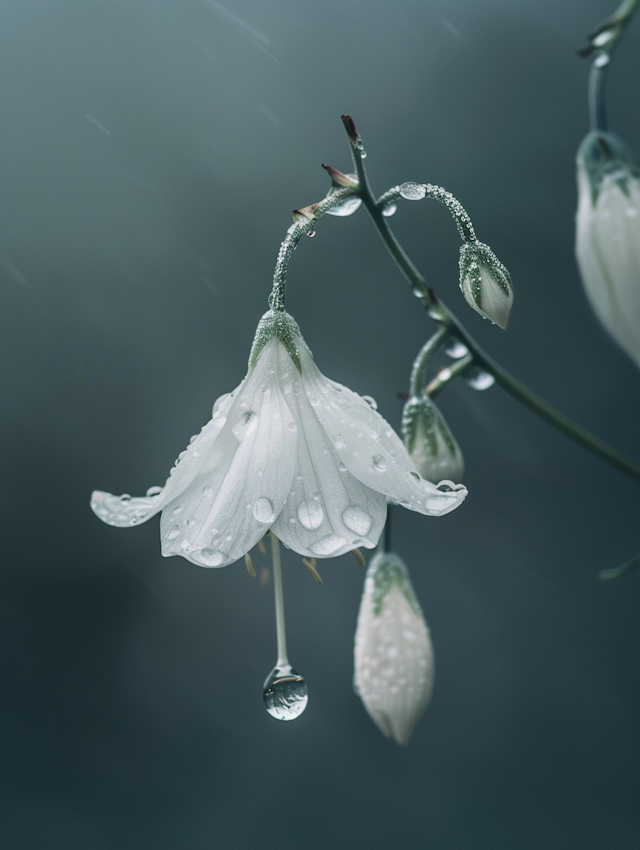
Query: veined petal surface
(369, 447)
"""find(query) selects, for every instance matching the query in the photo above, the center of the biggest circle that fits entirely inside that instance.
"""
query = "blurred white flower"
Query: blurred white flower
(288, 450)
(485, 283)
(608, 236)
(394, 665)
(430, 443)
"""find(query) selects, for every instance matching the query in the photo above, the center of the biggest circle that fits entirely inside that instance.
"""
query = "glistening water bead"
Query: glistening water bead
(285, 693)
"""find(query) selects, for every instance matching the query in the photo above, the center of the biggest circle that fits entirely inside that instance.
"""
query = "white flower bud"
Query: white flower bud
(393, 652)
(485, 283)
(430, 443)
(608, 236)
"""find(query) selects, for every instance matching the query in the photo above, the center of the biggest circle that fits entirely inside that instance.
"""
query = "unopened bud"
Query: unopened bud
(393, 652)
(429, 441)
(485, 283)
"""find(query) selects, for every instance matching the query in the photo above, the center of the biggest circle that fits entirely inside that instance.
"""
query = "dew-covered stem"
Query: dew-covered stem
(302, 226)
(279, 598)
(440, 313)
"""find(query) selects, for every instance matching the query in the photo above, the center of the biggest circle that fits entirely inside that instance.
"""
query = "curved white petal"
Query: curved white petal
(394, 666)
(370, 448)
(328, 512)
(608, 254)
(242, 485)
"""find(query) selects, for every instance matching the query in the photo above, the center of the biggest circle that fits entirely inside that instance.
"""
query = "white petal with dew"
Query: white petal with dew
(242, 487)
(328, 512)
(370, 448)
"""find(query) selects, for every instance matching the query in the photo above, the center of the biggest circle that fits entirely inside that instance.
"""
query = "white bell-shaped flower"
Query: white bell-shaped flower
(429, 441)
(608, 236)
(288, 450)
(394, 665)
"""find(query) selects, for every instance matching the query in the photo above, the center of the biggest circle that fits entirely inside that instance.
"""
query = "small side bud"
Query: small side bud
(393, 653)
(429, 441)
(305, 213)
(485, 283)
(343, 181)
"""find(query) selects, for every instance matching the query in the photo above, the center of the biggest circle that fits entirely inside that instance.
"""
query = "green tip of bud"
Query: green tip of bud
(485, 283)
(281, 325)
(429, 441)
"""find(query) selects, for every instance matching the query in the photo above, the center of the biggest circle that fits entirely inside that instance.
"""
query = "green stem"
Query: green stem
(283, 660)
(438, 311)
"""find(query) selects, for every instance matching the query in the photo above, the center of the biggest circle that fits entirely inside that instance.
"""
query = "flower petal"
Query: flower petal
(369, 447)
(243, 484)
(328, 511)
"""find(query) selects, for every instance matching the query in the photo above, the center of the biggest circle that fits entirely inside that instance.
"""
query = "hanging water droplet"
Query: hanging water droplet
(310, 515)
(478, 379)
(417, 291)
(413, 191)
(311, 234)
(346, 207)
(363, 154)
(263, 510)
(209, 557)
(357, 520)
(389, 210)
(154, 491)
(285, 693)
(456, 349)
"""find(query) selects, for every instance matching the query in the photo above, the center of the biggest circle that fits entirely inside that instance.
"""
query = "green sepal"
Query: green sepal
(386, 570)
(281, 325)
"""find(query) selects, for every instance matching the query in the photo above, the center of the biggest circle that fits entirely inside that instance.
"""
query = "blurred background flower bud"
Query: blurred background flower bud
(608, 236)
(485, 283)
(430, 443)
(394, 665)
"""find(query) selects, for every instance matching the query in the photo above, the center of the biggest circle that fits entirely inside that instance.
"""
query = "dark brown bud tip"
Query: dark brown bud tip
(340, 179)
(350, 127)
(402, 396)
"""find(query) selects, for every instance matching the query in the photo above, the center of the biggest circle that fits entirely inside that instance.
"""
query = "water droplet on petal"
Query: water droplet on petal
(125, 497)
(292, 426)
(218, 421)
(314, 400)
(357, 520)
(263, 510)
(366, 417)
(373, 404)
(177, 510)
(209, 557)
(328, 545)
(246, 424)
(172, 532)
(389, 210)
(338, 441)
(342, 467)
(310, 515)
(191, 521)
(154, 491)
(379, 463)
(206, 490)
(285, 693)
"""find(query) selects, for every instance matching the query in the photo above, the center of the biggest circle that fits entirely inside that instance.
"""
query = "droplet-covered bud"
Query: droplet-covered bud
(393, 653)
(485, 283)
(430, 443)
(608, 236)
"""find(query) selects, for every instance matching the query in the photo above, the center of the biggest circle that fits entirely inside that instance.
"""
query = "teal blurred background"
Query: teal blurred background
(150, 154)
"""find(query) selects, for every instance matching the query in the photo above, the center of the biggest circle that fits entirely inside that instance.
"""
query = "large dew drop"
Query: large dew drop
(245, 425)
(263, 510)
(285, 693)
(357, 520)
(310, 515)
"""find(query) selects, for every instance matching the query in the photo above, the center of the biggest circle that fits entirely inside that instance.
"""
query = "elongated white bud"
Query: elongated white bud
(393, 652)
(608, 236)
(485, 283)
